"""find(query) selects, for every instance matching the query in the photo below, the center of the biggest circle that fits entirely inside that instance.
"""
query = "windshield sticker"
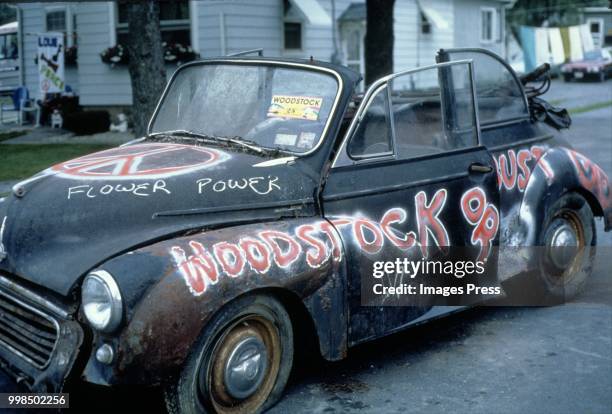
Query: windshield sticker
(285, 139)
(299, 107)
(306, 140)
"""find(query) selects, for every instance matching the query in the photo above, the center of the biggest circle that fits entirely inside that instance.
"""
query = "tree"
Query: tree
(146, 60)
(7, 14)
(379, 39)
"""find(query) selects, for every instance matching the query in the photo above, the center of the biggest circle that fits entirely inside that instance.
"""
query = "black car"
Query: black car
(255, 210)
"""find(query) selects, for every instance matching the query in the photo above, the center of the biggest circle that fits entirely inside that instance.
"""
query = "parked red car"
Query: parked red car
(597, 64)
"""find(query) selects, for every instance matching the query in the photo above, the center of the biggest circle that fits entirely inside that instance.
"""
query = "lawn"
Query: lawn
(19, 161)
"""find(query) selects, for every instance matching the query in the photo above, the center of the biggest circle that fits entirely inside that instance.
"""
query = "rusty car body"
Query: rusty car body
(270, 185)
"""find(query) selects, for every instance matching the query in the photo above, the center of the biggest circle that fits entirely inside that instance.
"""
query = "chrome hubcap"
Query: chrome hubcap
(563, 245)
(246, 367)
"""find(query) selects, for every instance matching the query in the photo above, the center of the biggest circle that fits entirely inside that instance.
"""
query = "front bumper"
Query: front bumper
(39, 338)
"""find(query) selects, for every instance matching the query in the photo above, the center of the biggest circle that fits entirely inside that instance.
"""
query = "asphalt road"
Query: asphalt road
(503, 360)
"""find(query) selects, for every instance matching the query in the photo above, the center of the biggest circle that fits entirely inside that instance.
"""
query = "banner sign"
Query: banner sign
(51, 62)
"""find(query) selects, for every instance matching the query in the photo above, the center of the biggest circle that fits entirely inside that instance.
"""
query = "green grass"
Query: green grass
(590, 107)
(11, 134)
(18, 161)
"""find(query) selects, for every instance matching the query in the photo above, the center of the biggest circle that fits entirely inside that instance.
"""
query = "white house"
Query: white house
(323, 29)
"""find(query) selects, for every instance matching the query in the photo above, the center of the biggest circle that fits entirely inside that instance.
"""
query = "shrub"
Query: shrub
(87, 122)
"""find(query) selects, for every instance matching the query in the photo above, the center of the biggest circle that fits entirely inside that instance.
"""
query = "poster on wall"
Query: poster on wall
(51, 62)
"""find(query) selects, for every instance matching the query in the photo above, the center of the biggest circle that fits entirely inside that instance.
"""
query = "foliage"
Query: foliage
(115, 55)
(552, 13)
(173, 53)
(7, 14)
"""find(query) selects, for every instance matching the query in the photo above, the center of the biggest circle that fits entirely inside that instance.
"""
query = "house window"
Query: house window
(487, 24)
(596, 28)
(61, 20)
(8, 46)
(425, 24)
(292, 28)
(56, 21)
(173, 20)
(293, 35)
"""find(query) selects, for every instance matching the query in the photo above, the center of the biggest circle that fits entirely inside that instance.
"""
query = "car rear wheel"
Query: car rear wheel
(241, 363)
(568, 241)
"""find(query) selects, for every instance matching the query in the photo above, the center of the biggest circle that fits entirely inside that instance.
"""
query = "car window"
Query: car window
(430, 120)
(373, 134)
(274, 106)
(500, 97)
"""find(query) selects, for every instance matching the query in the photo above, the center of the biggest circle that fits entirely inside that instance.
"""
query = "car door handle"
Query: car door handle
(480, 168)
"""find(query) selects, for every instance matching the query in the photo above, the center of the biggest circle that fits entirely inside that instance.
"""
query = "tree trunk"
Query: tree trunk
(146, 61)
(378, 39)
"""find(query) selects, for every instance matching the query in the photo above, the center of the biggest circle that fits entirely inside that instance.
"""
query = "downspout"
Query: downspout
(222, 38)
(336, 56)
(20, 46)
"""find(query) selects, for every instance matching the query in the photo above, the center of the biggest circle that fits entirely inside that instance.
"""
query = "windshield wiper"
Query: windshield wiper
(235, 141)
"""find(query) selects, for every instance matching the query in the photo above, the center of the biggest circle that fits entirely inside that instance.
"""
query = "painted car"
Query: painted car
(203, 256)
(596, 64)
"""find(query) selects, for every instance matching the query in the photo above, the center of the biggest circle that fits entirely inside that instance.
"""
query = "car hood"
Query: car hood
(70, 218)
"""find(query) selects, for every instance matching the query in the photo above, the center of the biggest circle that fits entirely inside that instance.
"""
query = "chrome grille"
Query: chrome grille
(26, 331)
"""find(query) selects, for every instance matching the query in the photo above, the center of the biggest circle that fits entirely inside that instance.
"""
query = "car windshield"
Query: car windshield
(592, 55)
(271, 106)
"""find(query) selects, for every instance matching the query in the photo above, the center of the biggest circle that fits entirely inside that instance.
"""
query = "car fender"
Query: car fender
(197, 275)
(557, 172)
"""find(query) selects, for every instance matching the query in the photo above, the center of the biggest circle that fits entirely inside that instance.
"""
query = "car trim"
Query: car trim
(395, 187)
(332, 112)
(34, 298)
(520, 142)
(234, 208)
(42, 315)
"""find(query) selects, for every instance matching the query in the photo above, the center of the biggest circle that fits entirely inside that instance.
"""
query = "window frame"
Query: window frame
(343, 157)
(118, 27)
(491, 11)
(488, 125)
(390, 125)
(293, 21)
(69, 30)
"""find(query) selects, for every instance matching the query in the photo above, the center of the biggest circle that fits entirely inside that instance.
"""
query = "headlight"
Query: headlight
(101, 301)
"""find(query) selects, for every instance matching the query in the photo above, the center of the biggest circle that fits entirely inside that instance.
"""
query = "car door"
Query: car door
(410, 180)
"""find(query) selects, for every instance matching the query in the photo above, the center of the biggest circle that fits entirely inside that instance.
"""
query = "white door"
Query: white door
(352, 45)
(596, 28)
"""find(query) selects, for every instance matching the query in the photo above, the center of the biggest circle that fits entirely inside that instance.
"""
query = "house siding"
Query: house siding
(469, 11)
(33, 22)
(407, 53)
(101, 84)
(247, 25)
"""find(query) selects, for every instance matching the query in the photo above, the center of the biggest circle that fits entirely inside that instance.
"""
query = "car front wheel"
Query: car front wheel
(241, 363)
(569, 244)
